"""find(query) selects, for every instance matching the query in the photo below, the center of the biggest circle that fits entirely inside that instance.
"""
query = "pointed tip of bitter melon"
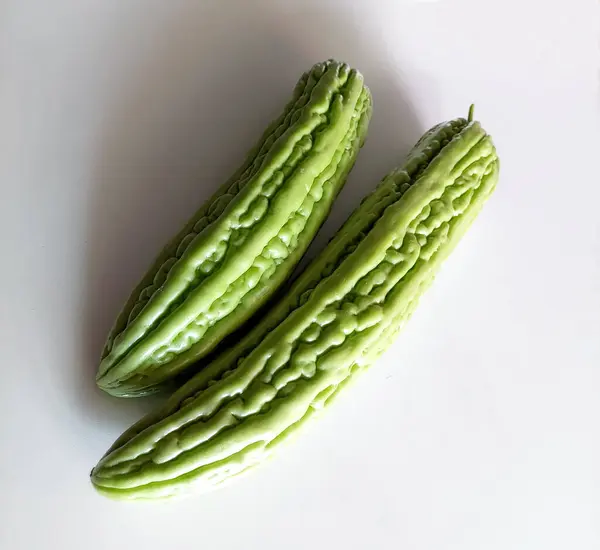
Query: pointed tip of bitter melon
(471, 112)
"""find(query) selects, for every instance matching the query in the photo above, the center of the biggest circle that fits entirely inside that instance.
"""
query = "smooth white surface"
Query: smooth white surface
(478, 430)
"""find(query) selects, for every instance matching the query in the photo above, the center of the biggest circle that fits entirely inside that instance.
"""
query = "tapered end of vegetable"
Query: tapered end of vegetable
(471, 112)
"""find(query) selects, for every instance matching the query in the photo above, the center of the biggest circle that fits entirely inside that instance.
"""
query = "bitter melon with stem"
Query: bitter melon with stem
(335, 321)
(243, 243)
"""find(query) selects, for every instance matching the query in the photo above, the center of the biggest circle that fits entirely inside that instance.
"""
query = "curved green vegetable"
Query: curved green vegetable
(336, 319)
(245, 241)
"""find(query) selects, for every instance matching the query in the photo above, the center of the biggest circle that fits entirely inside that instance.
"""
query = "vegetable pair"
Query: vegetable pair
(333, 321)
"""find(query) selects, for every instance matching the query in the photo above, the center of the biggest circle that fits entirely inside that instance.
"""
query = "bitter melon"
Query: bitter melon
(335, 320)
(245, 241)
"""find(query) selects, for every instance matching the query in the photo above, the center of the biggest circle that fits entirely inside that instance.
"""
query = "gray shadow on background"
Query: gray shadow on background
(182, 123)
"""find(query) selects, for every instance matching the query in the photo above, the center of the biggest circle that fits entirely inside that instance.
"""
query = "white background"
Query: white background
(479, 430)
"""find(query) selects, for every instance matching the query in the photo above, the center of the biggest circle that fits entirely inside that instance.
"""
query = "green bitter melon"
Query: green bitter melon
(337, 318)
(243, 243)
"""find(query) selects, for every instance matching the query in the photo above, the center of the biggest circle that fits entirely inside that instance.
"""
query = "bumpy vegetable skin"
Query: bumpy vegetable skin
(245, 241)
(337, 318)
